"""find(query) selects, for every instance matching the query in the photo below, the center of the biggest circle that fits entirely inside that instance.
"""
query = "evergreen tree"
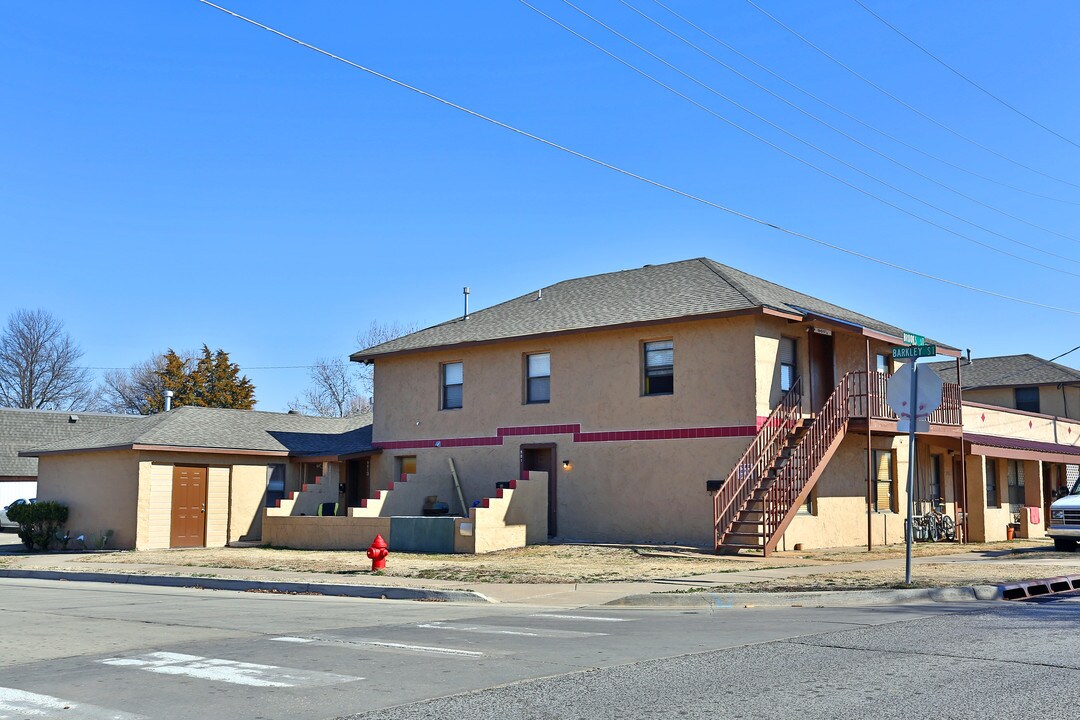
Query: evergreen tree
(216, 382)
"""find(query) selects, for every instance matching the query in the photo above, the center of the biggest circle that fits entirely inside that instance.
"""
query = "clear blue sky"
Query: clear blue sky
(173, 176)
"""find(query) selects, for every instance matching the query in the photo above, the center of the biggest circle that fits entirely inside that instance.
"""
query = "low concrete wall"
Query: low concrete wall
(324, 533)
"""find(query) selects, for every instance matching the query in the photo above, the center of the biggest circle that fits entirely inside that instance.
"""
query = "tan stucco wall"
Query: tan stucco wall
(246, 505)
(324, 533)
(616, 491)
(1062, 402)
(1016, 424)
(101, 490)
(596, 380)
(839, 500)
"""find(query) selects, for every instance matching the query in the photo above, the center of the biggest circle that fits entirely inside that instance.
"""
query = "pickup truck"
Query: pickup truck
(1064, 524)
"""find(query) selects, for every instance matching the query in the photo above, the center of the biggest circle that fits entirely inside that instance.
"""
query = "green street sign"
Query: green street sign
(914, 351)
(913, 339)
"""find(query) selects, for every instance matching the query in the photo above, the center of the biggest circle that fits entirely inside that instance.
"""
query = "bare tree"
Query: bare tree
(377, 334)
(39, 365)
(345, 389)
(133, 391)
(334, 391)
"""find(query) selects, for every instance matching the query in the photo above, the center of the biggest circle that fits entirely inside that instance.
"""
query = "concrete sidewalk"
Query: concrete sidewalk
(81, 567)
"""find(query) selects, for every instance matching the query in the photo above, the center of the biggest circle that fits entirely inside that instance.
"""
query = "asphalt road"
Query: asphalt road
(90, 651)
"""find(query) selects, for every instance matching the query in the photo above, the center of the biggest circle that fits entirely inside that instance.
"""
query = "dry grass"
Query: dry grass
(951, 574)
(534, 564)
(570, 563)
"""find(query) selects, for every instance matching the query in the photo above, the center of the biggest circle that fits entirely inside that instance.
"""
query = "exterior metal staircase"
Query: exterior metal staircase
(765, 489)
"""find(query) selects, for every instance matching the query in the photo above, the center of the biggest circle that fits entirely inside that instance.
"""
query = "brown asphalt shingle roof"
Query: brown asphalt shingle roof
(675, 290)
(222, 429)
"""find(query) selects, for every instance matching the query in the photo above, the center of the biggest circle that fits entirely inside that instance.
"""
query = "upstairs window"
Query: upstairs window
(789, 369)
(883, 363)
(660, 367)
(452, 377)
(538, 378)
(1027, 399)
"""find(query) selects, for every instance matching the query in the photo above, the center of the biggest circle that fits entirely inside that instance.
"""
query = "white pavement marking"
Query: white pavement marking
(497, 630)
(381, 643)
(581, 617)
(229, 671)
(22, 704)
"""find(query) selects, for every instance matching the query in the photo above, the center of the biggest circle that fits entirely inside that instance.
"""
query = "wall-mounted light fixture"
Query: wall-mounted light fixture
(567, 466)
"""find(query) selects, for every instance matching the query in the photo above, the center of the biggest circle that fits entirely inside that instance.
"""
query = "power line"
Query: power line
(808, 144)
(964, 77)
(858, 120)
(844, 134)
(907, 105)
(635, 176)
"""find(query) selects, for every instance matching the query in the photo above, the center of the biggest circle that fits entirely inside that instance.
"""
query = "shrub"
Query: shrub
(38, 522)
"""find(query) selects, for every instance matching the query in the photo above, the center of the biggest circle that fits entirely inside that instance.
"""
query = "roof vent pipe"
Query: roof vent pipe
(466, 315)
(540, 294)
(969, 355)
(168, 399)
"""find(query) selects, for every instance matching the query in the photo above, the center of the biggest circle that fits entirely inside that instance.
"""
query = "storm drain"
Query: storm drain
(1035, 588)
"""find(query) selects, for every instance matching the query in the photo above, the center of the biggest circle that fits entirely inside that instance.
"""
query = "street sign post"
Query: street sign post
(912, 396)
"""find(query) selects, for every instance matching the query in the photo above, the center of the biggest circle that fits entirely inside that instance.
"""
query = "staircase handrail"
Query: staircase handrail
(829, 422)
(758, 457)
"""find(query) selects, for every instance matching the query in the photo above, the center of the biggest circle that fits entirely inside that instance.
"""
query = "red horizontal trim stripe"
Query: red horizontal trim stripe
(694, 433)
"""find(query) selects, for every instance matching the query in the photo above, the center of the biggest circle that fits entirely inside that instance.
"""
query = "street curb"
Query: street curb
(338, 590)
(830, 598)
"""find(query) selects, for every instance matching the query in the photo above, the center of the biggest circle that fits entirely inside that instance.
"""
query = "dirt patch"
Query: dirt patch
(572, 563)
(533, 564)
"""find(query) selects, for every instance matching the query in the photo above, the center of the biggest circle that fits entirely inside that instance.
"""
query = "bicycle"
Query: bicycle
(942, 526)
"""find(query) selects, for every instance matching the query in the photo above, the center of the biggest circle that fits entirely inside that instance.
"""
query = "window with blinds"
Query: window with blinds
(660, 367)
(991, 483)
(538, 378)
(884, 481)
(452, 385)
(788, 366)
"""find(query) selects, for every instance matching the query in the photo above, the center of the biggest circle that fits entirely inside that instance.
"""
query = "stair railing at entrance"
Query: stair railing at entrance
(765, 448)
(806, 457)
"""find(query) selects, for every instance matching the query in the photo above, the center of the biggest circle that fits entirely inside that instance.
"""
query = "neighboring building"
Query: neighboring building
(1021, 382)
(202, 476)
(25, 429)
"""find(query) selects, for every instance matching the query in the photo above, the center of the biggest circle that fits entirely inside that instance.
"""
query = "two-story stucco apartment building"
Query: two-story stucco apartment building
(684, 403)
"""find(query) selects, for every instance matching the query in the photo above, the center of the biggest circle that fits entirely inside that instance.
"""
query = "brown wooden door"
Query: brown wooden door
(188, 507)
(822, 377)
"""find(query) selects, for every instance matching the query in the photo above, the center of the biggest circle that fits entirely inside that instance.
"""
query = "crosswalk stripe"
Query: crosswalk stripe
(580, 617)
(498, 630)
(381, 643)
(20, 704)
(228, 671)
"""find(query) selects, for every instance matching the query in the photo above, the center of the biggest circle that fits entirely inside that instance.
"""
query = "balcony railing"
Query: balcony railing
(866, 399)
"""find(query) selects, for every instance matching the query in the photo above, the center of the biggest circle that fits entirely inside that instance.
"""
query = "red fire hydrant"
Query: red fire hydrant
(378, 552)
